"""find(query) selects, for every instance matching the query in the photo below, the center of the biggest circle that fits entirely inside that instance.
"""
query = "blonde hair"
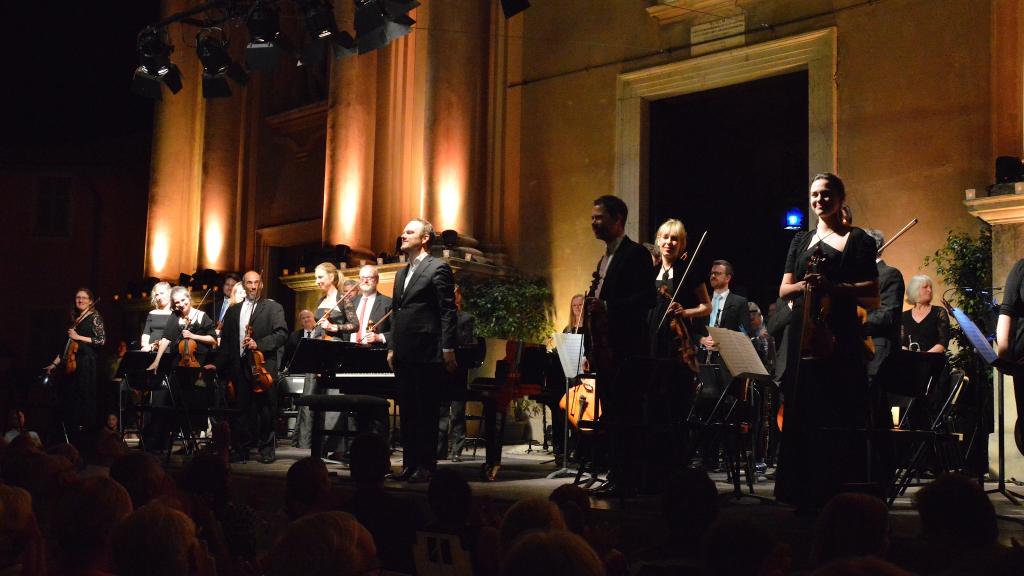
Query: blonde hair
(331, 270)
(159, 286)
(914, 287)
(675, 228)
(237, 293)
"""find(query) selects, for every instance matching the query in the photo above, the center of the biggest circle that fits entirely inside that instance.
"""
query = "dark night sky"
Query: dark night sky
(67, 67)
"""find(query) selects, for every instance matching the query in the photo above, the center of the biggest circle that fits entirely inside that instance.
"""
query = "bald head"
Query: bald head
(251, 281)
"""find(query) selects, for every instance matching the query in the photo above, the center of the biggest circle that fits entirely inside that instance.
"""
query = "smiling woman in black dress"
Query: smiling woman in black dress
(828, 391)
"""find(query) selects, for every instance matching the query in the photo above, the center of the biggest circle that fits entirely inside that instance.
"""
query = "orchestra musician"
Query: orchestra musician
(421, 347)
(452, 416)
(1010, 331)
(255, 428)
(623, 294)
(86, 336)
(336, 317)
(231, 279)
(675, 393)
(303, 419)
(826, 386)
(160, 299)
(187, 323)
(925, 328)
(370, 306)
(883, 323)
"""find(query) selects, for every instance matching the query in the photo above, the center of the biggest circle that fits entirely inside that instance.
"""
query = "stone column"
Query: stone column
(457, 48)
(172, 237)
(351, 132)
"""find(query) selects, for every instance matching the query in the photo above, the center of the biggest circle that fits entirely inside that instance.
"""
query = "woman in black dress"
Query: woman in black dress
(925, 327)
(827, 392)
(336, 316)
(669, 400)
(157, 317)
(86, 336)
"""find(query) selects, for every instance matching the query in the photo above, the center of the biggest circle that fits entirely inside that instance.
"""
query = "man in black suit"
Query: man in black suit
(223, 302)
(883, 323)
(623, 290)
(370, 307)
(255, 427)
(728, 309)
(421, 347)
(303, 419)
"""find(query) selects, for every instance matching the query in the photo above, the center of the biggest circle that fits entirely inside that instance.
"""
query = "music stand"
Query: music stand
(742, 361)
(984, 349)
(320, 358)
(569, 347)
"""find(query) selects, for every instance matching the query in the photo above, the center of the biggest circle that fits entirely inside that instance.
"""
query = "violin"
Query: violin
(70, 355)
(681, 336)
(262, 379)
(187, 347)
(816, 338)
(326, 335)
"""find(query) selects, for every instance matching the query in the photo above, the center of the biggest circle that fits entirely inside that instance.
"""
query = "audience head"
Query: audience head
(864, 566)
(689, 504)
(141, 474)
(956, 513)
(84, 521)
(328, 544)
(530, 514)
(558, 553)
(919, 289)
(308, 487)
(370, 459)
(574, 504)
(157, 540)
(738, 547)
(206, 477)
(851, 525)
(450, 497)
(107, 448)
(68, 451)
(20, 539)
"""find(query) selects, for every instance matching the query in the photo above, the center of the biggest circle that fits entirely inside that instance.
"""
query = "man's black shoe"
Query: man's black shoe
(456, 457)
(267, 459)
(420, 476)
(400, 476)
(612, 490)
(238, 457)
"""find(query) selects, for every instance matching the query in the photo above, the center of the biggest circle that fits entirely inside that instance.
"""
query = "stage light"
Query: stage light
(513, 7)
(378, 22)
(212, 49)
(265, 39)
(155, 66)
(318, 16)
(794, 219)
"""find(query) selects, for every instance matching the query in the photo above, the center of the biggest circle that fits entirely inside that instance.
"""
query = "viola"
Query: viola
(70, 355)
(262, 380)
(681, 336)
(187, 349)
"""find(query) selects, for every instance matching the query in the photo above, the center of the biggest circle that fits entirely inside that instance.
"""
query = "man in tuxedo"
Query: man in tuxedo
(370, 307)
(421, 347)
(255, 427)
(883, 323)
(221, 305)
(623, 291)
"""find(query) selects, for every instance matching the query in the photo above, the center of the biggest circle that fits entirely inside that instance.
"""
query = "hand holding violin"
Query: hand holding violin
(74, 335)
(187, 334)
(250, 344)
(818, 283)
(327, 325)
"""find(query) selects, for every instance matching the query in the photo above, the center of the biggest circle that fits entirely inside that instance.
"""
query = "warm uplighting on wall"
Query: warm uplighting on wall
(348, 202)
(158, 252)
(451, 196)
(213, 243)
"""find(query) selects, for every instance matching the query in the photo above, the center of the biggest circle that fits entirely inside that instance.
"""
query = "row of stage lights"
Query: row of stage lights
(377, 23)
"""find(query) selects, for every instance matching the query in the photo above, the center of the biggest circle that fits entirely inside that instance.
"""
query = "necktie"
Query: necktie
(716, 309)
(409, 273)
(306, 334)
(362, 324)
(664, 274)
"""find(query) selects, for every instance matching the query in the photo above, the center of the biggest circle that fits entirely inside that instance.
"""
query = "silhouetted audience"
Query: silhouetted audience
(157, 540)
(377, 510)
(851, 525)
(551, 553)
(22, 549)
(689, 507)
(529, 515)
(860, 566)
(322, 544)
(83, 525)
(740, 548)
(308, 488)
(451, 504)
(142, 476)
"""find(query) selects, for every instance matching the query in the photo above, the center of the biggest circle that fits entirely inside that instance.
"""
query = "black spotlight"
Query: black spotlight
(513, 7)
(155, 66)
(321, 29)
(265, 40)
(378, 22)
(212, 49)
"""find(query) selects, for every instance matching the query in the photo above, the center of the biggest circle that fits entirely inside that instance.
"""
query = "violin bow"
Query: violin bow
(909, 225)
(683, 279)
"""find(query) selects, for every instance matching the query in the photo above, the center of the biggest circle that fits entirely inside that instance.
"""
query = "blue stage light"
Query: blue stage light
(794, 219)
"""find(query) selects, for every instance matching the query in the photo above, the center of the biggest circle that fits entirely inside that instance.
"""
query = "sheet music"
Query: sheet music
(980, 342)
(570, 353)
(738, 354)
